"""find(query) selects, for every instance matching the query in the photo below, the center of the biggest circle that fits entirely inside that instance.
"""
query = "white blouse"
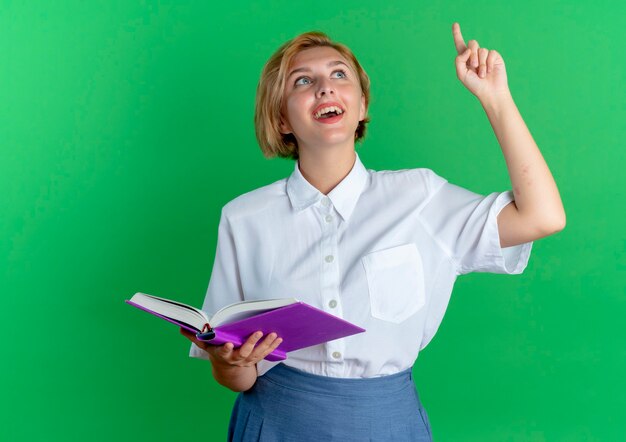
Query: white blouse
(382, 251)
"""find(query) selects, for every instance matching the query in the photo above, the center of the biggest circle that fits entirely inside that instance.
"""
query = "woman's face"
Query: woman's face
(319, 79)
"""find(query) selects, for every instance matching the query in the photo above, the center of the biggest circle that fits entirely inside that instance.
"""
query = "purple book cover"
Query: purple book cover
(299, 325)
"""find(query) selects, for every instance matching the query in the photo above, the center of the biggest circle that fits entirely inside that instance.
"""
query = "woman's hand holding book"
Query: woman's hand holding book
(236, 368)
(245, 356)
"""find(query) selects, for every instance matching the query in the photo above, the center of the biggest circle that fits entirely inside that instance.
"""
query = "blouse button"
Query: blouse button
(328, 218)
(325, 202)
(332, 304)
(330, 258)
(336, 355)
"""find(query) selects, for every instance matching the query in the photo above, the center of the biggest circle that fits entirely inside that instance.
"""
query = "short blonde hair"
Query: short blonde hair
(270, 94)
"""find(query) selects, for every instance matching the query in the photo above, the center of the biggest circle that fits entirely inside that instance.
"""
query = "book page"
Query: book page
(245, 309)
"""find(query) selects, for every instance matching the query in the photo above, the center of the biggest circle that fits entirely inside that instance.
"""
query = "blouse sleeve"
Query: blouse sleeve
(225, 283)
(465, 225)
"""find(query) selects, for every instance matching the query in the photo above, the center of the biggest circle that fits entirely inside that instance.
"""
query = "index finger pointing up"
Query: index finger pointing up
(458, 38)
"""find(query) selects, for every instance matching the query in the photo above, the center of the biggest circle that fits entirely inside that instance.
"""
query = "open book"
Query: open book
(299, 324)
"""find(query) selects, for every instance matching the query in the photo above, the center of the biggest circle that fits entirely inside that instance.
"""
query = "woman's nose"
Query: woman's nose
(325, 87)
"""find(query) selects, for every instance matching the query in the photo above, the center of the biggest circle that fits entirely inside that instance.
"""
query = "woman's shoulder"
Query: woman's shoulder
(256, 200)
(421, 177)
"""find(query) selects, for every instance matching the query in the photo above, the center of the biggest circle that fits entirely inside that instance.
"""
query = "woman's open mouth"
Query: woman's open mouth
(329, 114)
(329, 119)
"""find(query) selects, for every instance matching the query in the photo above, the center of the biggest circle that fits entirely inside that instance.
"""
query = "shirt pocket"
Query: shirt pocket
(395, 280)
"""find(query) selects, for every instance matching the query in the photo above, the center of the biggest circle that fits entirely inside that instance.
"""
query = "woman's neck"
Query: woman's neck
(325, 171)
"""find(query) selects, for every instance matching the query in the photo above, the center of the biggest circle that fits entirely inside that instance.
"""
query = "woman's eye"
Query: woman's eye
(343, 73)
(301, 78)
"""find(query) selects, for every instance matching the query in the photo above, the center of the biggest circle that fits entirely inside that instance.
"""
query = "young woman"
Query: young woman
(381, 249)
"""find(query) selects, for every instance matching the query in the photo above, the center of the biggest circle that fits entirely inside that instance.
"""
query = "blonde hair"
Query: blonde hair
(270, 94)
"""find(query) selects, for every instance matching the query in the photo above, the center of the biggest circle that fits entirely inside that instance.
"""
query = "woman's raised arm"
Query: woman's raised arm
(537, 210)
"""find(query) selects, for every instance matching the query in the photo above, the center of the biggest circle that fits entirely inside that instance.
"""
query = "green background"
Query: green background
(126, 126)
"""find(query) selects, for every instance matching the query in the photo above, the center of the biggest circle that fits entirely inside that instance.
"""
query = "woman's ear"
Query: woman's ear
(285, 128)
(362, 109)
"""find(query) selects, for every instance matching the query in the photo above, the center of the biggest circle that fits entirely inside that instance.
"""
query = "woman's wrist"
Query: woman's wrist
(235, 377)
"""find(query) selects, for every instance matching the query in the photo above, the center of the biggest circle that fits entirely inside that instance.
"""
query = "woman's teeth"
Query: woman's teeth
(325, 110)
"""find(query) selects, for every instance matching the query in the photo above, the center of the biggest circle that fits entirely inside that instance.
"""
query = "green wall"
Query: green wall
(126, 126)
